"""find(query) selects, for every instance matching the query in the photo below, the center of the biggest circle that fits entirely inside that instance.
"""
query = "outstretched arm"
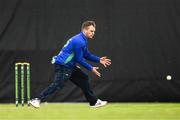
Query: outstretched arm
(103, 60)
(82, 61)
(89, 56)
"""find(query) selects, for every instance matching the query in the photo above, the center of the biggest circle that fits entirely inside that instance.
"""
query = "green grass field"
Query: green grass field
(81, 111)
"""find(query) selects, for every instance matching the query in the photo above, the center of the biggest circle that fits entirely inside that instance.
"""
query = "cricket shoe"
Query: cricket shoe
(35, 103)
(99, 103)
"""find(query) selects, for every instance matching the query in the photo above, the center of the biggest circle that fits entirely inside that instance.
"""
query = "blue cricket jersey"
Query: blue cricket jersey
(76, 51)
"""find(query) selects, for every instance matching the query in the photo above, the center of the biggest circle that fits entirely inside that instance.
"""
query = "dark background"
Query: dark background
(142, 37)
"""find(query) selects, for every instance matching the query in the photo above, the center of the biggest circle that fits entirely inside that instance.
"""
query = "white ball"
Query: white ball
(168, 77)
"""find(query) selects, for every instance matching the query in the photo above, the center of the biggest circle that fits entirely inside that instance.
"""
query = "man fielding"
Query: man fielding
(75, 51)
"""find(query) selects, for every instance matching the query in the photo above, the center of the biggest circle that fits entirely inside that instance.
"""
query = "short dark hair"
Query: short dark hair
(87, 23)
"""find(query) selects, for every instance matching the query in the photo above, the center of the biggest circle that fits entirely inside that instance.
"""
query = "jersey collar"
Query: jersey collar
(84, 37)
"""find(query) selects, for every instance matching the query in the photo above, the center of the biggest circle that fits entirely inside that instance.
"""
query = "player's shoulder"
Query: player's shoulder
(78, 39)
(78, 36)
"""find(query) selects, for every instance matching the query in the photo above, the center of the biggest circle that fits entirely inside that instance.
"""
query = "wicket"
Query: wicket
(22, 73)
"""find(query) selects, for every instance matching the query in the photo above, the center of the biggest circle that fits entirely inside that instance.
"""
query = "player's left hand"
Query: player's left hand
(105, 61)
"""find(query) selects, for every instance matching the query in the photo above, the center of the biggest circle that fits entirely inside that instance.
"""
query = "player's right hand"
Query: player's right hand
(94, 70)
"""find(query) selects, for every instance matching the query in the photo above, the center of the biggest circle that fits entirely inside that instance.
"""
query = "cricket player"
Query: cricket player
(75, 51)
